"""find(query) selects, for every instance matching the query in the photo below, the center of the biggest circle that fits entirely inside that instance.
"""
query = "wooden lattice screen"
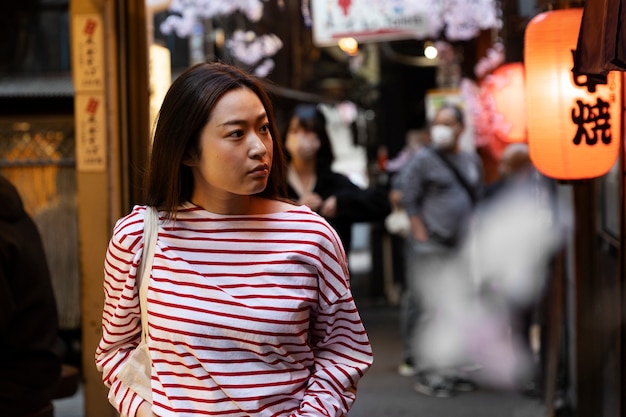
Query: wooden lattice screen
(37, 154)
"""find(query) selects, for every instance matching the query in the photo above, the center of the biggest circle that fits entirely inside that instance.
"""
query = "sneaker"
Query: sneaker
(463, 385)
(471, 367)
(406, 369)
(531, 389)
(434, 386)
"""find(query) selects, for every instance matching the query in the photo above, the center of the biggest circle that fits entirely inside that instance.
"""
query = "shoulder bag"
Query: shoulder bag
(137, 370)
(462, 180)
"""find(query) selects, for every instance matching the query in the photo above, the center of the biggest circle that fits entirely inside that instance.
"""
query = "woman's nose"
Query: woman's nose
(257, 145)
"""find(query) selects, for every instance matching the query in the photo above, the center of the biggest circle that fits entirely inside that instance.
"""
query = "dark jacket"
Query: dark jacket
(354, 204)
(30, 366)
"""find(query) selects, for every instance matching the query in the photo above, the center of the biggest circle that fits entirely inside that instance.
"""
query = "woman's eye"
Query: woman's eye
(265, 128)
(236, 134)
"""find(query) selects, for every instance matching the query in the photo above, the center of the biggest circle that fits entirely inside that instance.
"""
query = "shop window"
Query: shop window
(34, 37)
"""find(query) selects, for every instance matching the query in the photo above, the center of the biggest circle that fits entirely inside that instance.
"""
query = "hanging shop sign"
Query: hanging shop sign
(90, 132)
(573, 122)
(89, 92)
(365, 21)
(88, 52)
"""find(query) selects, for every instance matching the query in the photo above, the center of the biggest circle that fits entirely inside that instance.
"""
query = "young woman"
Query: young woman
(312, 182)
(249, 307)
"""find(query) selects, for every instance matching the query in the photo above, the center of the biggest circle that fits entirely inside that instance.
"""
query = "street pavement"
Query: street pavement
(385, 393)
(73, 406)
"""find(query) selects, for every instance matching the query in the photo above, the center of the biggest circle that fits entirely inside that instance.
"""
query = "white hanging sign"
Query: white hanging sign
(88, 52)
(91, 155)
(365, 20)
(89, 92)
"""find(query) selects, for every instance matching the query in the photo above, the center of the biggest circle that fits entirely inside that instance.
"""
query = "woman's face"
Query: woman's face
(235, 150)
(301, 143)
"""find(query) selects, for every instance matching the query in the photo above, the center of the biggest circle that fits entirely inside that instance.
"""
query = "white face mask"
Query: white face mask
(442, 136)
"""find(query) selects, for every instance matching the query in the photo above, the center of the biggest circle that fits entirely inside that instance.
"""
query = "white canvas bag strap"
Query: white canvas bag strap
(150, 231)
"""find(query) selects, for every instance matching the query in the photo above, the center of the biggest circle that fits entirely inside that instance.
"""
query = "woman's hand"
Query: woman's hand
(312, 201)
(395, 198)
(329, 207)
(145, 410)
(418, 230)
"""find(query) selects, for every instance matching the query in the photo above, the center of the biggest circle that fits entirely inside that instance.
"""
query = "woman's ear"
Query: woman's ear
(189, 160)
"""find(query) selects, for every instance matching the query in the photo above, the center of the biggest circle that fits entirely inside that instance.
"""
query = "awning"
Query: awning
(601, 44)
(25, 87)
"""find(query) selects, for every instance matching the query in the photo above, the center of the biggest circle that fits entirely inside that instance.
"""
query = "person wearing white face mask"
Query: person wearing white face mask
(439, 186)
(311, 181)
(442, 137)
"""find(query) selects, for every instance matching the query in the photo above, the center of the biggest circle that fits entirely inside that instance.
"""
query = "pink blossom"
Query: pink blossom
(461, 19)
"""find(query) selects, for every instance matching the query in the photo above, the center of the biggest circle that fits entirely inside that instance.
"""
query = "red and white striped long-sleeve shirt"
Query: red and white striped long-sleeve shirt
(249, 316)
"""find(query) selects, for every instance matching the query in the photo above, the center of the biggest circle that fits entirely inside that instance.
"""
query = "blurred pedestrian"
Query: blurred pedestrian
(249, 306)
(440, 187)
(414, 140)
(520, 298)
(28, 313)
(312, 182)
(515, 170)
(397, 224)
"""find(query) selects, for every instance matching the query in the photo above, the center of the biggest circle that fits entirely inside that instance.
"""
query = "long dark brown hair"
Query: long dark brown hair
(186, 109)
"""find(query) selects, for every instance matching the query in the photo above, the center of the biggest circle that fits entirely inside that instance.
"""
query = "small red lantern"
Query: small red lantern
(503, 108)
(573, 123)
(504, 94)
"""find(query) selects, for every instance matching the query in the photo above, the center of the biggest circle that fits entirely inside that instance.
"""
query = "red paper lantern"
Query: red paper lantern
(573, 124)
(504, 89)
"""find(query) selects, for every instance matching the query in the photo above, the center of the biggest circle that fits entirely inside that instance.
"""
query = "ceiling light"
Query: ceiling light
(430, 51)
(349, 45)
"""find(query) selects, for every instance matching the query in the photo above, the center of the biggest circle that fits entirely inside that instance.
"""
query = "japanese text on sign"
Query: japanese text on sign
(592, 120)
(364, 20)
(88, 56)
(90, 146)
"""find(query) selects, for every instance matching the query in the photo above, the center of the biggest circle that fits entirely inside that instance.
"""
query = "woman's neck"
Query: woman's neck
(302, 176)
(246, 205)
(304, 166)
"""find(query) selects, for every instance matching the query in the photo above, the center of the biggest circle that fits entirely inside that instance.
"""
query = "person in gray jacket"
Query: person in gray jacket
(440, 186)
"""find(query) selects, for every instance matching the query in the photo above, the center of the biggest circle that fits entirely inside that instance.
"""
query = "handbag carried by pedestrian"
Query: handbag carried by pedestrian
(137, 370)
